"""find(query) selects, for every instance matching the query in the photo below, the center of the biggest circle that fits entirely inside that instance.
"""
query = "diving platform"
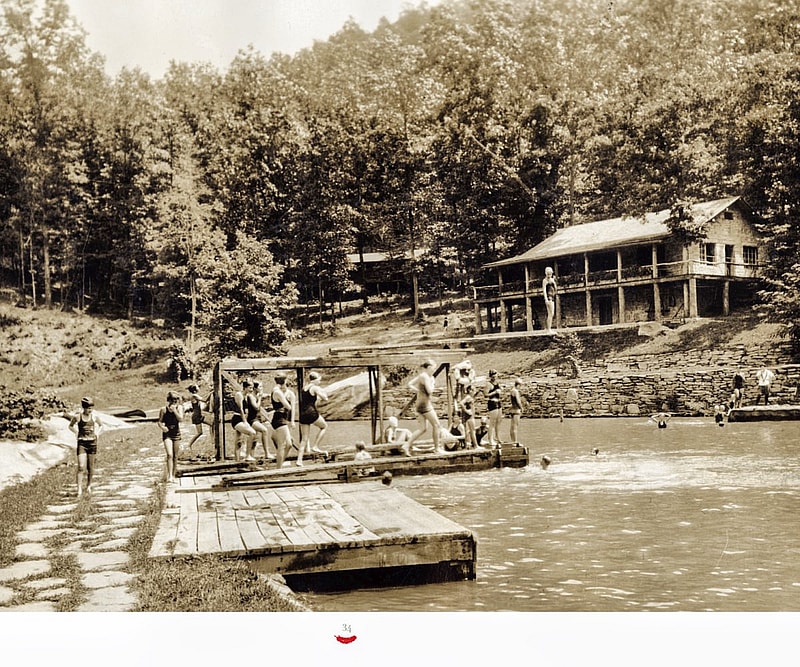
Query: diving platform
(758, 413)
(320, 537)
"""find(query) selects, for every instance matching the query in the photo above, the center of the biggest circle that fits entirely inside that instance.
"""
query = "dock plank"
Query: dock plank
(283, 518)
(166, 536)
(230, 541)
(186, 533)
(207, 525)
(248, 519)
(269, 525)
(307, 512)
(389, 513)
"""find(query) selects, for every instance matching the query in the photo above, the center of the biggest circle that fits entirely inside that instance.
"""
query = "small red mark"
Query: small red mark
(345, 640)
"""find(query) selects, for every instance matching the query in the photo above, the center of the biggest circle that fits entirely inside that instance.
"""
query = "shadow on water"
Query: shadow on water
(692, 517)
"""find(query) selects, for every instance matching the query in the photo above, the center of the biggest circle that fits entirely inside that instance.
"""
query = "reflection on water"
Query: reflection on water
(692, 517)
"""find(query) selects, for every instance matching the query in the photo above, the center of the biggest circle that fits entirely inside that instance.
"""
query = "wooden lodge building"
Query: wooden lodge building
(627, 270)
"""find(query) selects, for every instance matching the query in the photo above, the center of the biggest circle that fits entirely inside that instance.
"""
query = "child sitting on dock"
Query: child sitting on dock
(454, 438)
(398, 436)
(363, 455)
(482, 432)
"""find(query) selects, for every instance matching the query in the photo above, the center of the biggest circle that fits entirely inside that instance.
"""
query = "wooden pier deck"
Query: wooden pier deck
(366, 529)
(462, 460)
(774, 412)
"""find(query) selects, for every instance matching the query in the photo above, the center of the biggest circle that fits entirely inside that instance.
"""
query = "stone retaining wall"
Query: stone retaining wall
(693, 392)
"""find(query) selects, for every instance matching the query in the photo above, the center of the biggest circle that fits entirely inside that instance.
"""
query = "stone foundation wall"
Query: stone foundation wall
(694, 392)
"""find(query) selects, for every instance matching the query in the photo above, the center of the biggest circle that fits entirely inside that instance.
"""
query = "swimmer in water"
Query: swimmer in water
(720, 412)
(661, 418)
(595, 451)
(545, 462)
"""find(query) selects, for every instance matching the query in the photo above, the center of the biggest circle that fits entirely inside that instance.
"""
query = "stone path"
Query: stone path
(80, 549)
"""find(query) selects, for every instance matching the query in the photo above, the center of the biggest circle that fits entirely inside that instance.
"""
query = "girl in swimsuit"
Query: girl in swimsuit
(423, 385)
(310, 416)
(468, 416)
(253, 408)
(169, 420)
(87, 427)
(200, 408)
(244, 432)
(281, 419)
(549, 292)
(516, 410)
(495, 409)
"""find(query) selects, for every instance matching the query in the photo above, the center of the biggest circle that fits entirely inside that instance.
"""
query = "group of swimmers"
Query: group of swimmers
(463, 431)
(258, 417)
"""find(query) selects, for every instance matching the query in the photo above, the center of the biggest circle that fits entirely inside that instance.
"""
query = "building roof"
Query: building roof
(376, 257)
(612, 233)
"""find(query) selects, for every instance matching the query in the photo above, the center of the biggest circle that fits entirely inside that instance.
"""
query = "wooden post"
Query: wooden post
(379, 397)
(692, 297)
(726, 297)
(450, 404)
(588, 294)
(656, 302)
(372, 415)
(528, 301)
(219, 416)
(478, 318)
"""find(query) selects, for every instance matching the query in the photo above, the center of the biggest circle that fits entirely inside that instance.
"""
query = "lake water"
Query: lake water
(694, 517)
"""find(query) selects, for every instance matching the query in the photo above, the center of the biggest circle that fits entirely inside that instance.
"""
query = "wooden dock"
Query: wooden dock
(758, 413)
(333, 536)
(347, 470)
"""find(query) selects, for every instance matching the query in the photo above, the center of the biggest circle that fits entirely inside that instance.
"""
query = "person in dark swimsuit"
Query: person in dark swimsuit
(169, 420)
(495, 409)
(467, 406)
(310, 416)
(200, 407)
(252, 404)
(281, 419)
(515, 411)
(244, 432)
(549, 294)
(423, 385)
(87, 427)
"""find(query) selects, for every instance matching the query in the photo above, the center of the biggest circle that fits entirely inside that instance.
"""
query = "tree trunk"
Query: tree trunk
(48, 285)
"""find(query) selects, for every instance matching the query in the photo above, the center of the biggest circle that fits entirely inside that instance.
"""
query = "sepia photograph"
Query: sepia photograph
(336, 320)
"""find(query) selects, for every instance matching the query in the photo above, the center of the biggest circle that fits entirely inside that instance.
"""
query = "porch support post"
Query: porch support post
(478, 319)
(726, 297)
(503, 316)
(656, 302)
(621, 300)
(692, 296)
(557, 318)
(586, 290)
(654, 255)
(528, 303)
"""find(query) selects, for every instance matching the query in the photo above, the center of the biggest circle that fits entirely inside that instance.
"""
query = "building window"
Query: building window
(750, 255)
(708, 252)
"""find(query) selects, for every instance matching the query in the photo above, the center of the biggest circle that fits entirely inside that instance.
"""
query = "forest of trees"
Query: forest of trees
(472, 129)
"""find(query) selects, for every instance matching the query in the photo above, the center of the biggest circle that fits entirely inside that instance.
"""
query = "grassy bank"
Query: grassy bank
(195, 584)
(204, 584)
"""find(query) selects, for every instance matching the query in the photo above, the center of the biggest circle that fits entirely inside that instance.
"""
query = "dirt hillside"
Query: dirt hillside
(121, 364)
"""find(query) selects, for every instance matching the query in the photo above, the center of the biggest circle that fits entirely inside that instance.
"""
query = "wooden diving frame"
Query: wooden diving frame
(373, 360)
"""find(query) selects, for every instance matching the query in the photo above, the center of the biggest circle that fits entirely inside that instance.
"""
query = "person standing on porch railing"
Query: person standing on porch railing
(549, 293)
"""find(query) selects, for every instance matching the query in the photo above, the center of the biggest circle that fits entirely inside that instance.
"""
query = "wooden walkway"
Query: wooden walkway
(310, 529)
(774, 412)
(462, 460)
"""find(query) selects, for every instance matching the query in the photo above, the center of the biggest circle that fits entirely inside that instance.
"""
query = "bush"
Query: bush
(19, 408)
